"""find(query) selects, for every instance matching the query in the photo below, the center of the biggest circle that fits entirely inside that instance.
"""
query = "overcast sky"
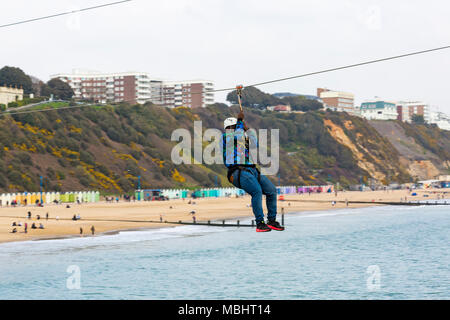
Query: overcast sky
(241, 42)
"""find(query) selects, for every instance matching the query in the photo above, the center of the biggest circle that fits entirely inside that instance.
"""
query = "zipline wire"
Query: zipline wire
(64, 13)
(280, 79)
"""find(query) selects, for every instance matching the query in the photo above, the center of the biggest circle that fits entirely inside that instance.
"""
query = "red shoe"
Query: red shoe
(274, 225)
(262, 227)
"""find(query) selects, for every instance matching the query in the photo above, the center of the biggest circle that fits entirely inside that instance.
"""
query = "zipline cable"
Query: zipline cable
(280, 79)
(4, 113)
(324, 71)
(64, 13)
(350, 66)
(337, 68)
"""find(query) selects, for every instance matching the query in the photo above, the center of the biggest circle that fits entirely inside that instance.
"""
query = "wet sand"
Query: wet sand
(117, 217)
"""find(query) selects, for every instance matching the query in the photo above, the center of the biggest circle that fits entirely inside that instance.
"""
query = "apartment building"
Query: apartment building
(378, 110)
(406, 110)
(190, 93)
(337, 100)
(131, 87)
(138, 87)
(440, 119)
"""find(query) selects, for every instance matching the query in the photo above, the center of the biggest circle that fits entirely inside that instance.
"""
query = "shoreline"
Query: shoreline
(113, 218)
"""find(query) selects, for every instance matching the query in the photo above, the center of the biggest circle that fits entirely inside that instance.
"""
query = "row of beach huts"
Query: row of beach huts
(28, 198)
(224, 192)
(36, 198)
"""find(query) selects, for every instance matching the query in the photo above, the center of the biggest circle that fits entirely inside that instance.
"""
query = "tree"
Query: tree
(12, 76)
(417, 119)
(60, 89)
(301, 103)
(252, 97)
(44, 90)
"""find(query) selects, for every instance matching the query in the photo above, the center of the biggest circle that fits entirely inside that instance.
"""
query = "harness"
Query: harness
(241, 167)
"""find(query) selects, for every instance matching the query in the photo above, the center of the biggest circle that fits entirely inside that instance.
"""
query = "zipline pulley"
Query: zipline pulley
(239, 94)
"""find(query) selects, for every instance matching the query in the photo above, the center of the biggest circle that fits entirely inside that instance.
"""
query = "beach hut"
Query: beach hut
(64, 197)
(47, 197)
(28, 197)
(10, 197)
(32, 198)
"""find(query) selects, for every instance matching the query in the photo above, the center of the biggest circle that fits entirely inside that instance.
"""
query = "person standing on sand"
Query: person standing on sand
(93, 230)
(81, 231)
(26, 227)
(243, 174)
(193, 216)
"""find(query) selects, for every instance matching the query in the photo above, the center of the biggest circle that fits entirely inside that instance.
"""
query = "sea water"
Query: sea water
(367, 253)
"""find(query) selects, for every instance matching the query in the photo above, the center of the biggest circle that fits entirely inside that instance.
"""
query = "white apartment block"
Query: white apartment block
(378, 110)
(440, 119)
(132, 87)
(138, 87)
(190, 93)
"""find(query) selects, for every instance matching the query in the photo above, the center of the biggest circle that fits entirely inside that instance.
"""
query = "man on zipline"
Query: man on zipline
(243, 174)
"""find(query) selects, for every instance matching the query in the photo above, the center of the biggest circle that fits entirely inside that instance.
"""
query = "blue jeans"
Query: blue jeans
(251, 185)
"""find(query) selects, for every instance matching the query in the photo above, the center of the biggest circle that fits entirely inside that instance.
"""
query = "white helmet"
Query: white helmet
(229, 122)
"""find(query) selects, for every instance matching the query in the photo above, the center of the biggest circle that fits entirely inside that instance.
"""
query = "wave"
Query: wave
(110, 238)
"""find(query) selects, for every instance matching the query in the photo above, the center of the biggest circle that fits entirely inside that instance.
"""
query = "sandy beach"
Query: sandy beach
(174, 210)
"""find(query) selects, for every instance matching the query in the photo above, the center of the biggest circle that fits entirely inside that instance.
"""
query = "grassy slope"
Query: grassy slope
(108, 148)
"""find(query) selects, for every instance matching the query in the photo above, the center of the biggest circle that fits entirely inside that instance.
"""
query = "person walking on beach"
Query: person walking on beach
(243, 174)
(26, 227)
(81, 231)
(46, 216)
(93, 230)
(193, 216)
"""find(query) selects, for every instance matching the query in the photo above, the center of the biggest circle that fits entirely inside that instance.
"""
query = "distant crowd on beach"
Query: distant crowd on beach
(39, 225)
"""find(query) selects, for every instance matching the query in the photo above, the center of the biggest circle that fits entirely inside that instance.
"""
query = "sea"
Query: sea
(388, 252)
